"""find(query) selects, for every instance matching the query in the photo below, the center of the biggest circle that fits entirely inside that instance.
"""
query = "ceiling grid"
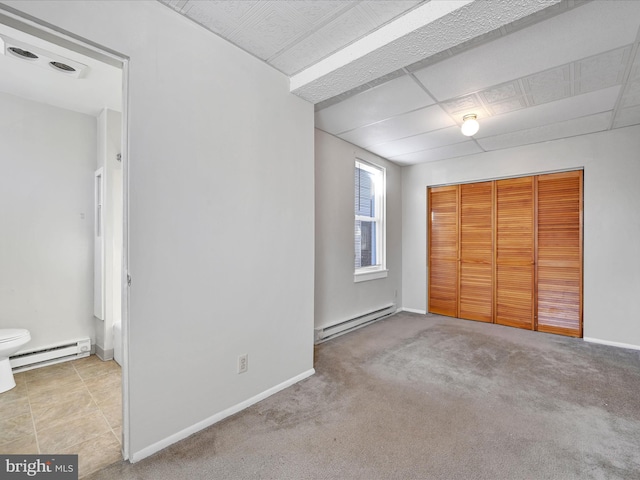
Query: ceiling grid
(530, 71)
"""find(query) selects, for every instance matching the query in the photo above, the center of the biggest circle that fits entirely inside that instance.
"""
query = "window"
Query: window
(369, 231)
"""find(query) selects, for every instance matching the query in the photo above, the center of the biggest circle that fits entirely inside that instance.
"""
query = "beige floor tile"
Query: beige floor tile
(111, 398)
(49, 371)
(113, 414)
(60, 394)
(104, 384)
(13, 428)
(58, 380)
(93, 369)
(84, 361)
(77, 430)
(55, 414)
(96, 453)
(118, 433)
(13, 408)
(19, 391)
(20, 378)
(76, 407)
(24, 445)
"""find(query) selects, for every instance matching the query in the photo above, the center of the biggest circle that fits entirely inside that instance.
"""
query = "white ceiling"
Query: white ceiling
(396, 77)
(98, 86)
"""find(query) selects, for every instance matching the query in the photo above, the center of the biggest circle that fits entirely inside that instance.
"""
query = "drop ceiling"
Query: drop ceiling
(396, 77)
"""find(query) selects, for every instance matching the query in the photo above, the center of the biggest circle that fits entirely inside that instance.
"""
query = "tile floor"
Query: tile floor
(69, 408)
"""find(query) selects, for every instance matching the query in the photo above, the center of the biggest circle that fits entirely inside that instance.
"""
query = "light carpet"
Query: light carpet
(430, 397)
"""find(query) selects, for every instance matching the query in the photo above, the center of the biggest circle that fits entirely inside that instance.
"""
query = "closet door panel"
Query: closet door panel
(476, 252)
(514, 295)
(443, 250)
(560, 253)
(515, 252)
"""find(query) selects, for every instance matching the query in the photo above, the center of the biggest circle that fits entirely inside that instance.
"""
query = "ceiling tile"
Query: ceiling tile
(502, 92)
(627, 116)
(458, 107)
(602, 70)
(417, 143)
(598, 64)
(388, 100)
(352, 20)
(551, 94)
(548, 86)
(313, 12)
(539, 82)
(409, 124)
(354, 91)
(507, 106)
(175, 4)
(559, 40)
(544, 133)
(450, 151)
(419, 65)
(269, 30)
(232, 11)
(631, 95)
(219, 16)
(550, 113)
(607, 79)
(382, 12)
(331, 37)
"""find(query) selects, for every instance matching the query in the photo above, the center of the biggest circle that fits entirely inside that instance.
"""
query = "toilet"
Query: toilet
(11, 340)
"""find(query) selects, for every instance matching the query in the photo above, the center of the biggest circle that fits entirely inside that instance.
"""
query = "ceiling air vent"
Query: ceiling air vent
(23, 53)
(42, 58)
(62, 66)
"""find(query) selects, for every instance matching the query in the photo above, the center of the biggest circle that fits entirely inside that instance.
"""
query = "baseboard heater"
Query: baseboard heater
(62, 352)
(322, 334)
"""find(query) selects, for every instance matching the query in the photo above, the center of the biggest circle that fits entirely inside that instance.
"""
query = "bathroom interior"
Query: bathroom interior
(61, 248)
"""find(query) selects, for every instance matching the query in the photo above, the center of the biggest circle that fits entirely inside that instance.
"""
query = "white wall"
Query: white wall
(221, 216)
(611, 220)
(337, 297)
(47, 160)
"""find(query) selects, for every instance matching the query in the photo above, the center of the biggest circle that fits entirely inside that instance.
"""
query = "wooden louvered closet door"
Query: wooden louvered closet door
(476, 252)
(443, 250)
(509, 252)
(514, 254)
(560, 253)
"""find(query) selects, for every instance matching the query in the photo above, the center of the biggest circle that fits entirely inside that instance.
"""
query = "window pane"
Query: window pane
(365, 193)
(365, 243)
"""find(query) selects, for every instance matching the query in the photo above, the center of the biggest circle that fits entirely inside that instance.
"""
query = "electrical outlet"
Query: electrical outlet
(243, 363)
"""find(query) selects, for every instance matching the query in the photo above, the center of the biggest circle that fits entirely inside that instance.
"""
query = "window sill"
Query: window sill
(372, 275)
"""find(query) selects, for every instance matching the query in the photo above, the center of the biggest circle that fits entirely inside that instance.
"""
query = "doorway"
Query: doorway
(63, 117)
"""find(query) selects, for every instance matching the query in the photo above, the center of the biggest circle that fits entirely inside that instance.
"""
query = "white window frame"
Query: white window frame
(379, 270)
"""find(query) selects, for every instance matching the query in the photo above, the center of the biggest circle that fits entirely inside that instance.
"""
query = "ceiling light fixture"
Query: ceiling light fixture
(470, 125)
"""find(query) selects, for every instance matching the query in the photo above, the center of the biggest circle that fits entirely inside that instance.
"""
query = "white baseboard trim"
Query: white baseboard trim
(612, 344)
(176, 437)
(413, 310)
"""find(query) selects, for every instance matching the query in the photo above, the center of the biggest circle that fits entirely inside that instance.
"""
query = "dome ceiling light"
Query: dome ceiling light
(470, 125)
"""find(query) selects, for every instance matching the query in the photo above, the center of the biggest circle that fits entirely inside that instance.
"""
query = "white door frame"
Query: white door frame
(52, 34)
